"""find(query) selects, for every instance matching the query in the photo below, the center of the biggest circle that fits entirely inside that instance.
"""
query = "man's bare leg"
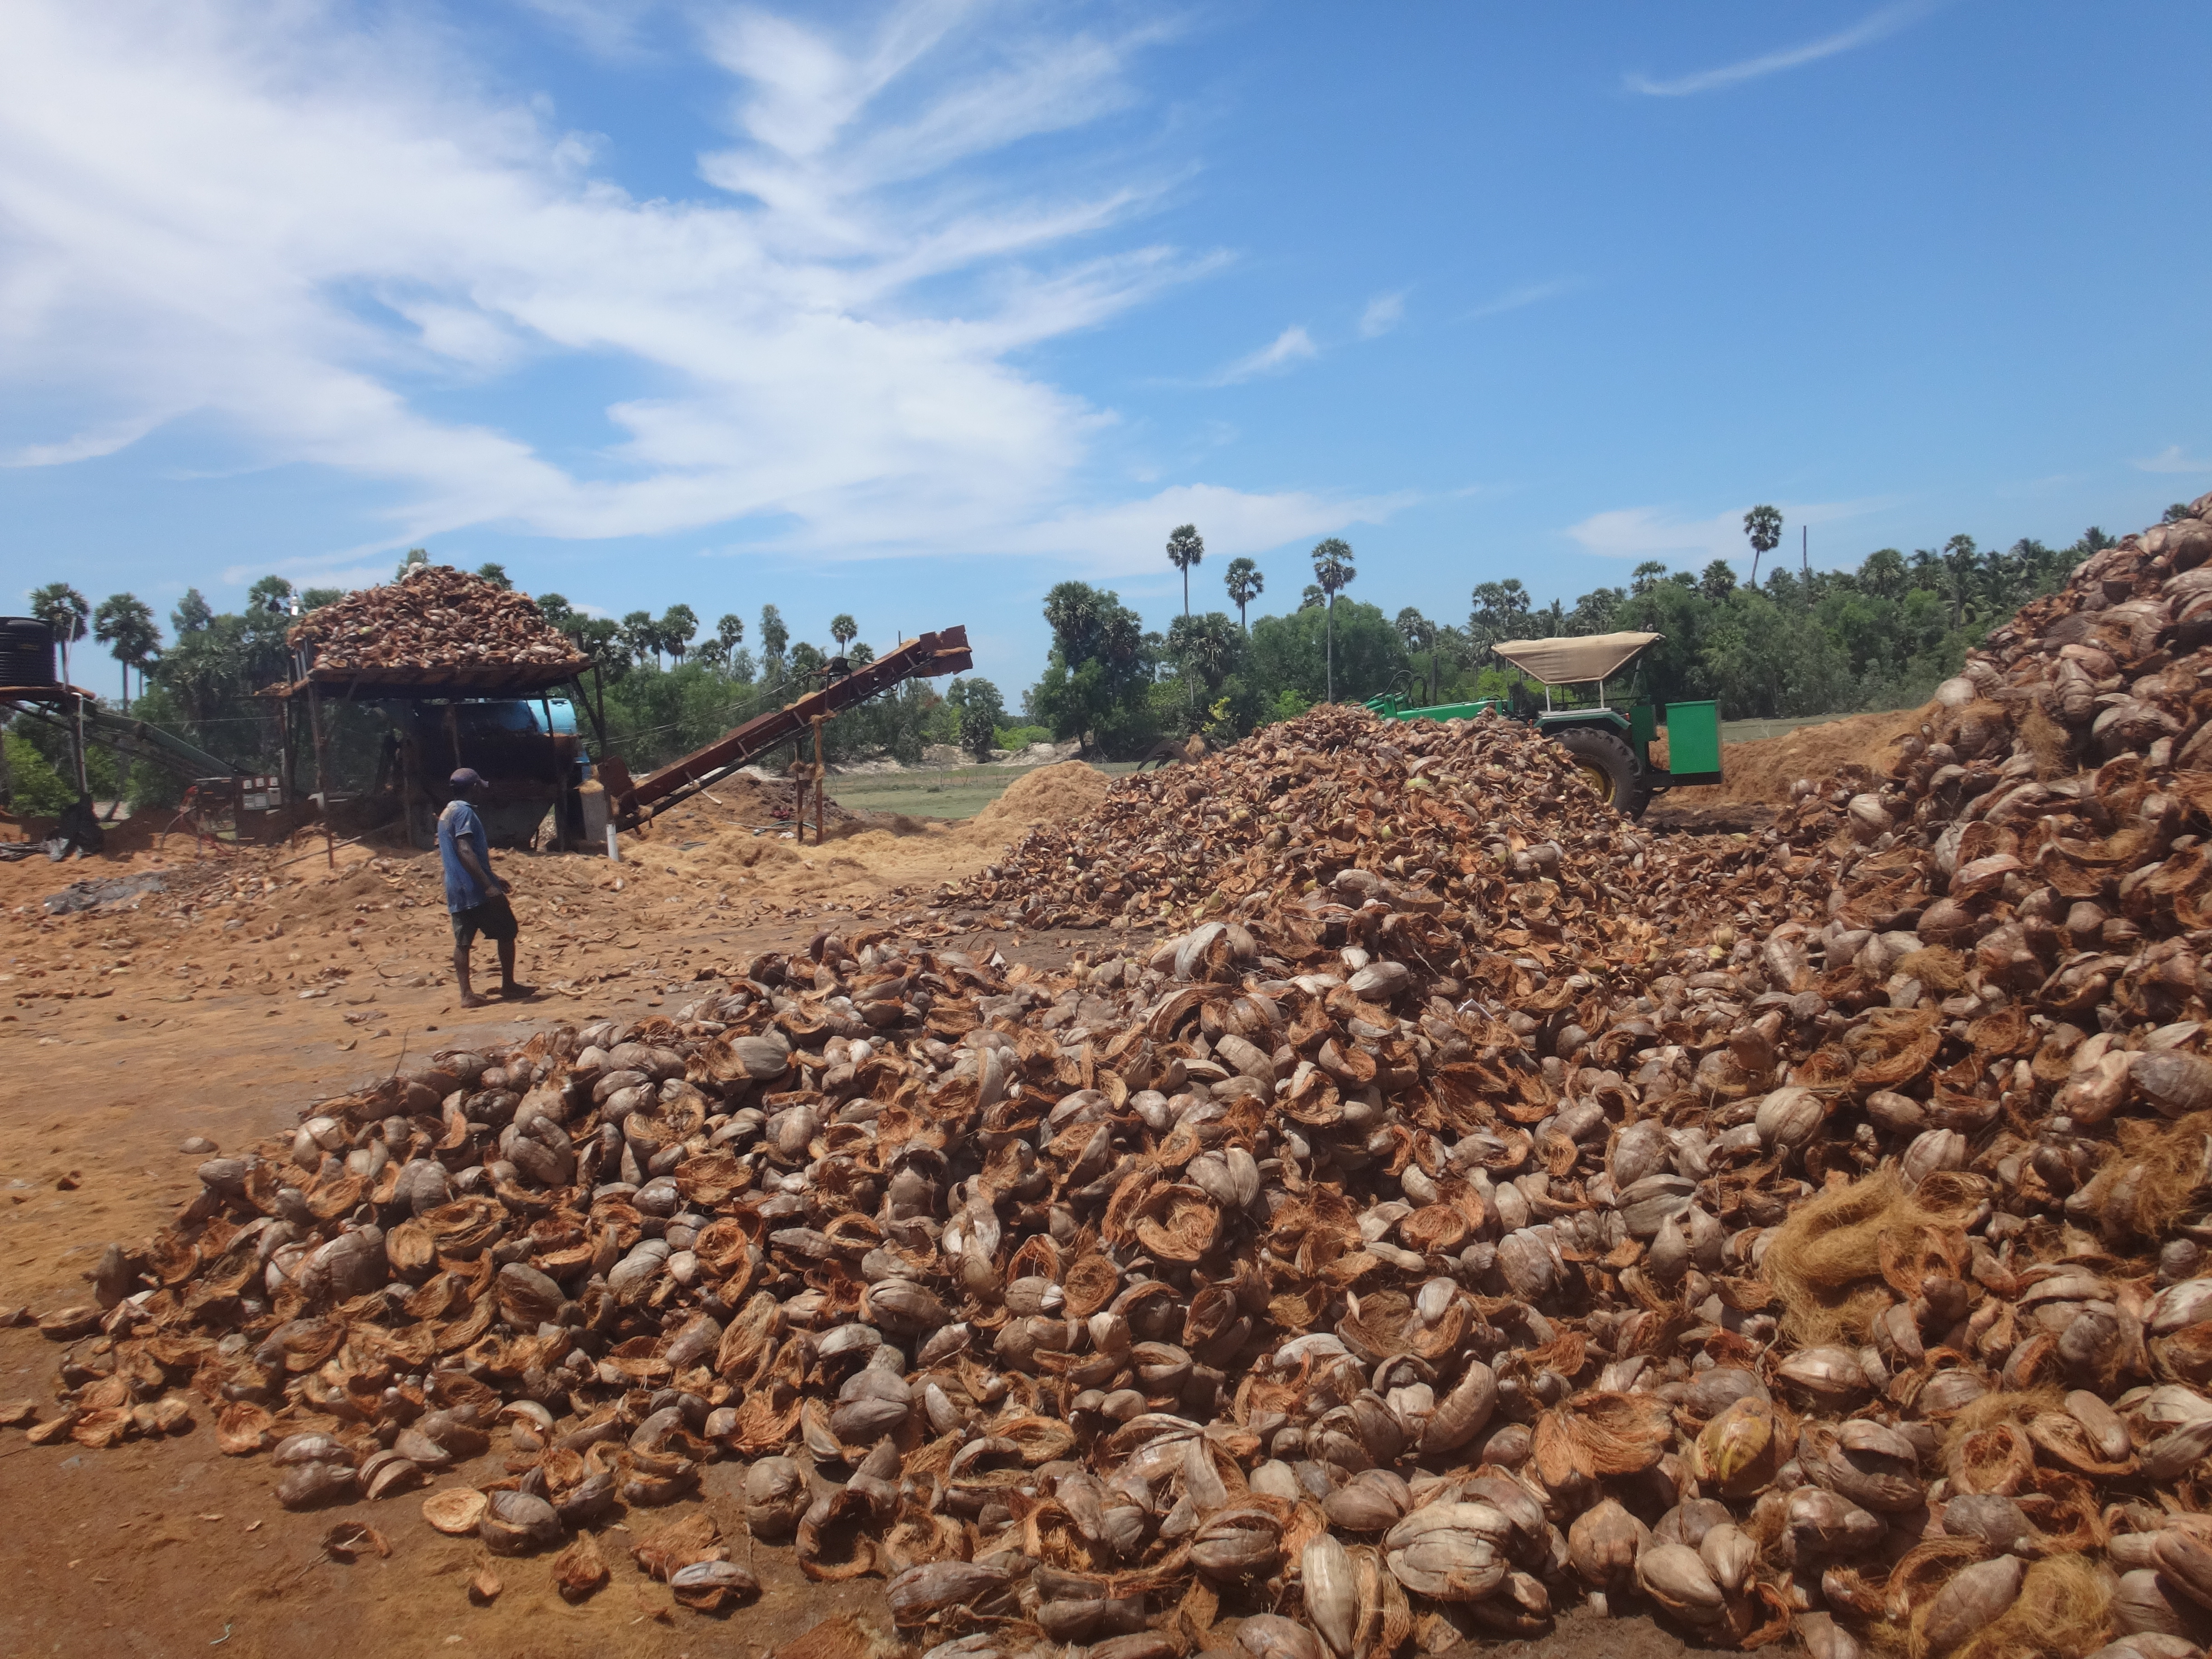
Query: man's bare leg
(508, 986)
(469, 998)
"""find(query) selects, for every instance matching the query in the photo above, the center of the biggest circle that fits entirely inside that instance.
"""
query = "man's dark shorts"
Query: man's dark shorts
(494, 919)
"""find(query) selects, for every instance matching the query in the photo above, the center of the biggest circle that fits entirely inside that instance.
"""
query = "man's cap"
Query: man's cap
(466, 779)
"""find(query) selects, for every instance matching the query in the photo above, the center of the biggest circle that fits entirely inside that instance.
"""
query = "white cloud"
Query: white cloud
(314, 572)
(1385, 312)
(607, 28)
(1645, 532)
(1128, 536)
(1293, 345)
(2172, 460)
(323, 239)
(1529, 293)
(88, 444)
(1875, 25)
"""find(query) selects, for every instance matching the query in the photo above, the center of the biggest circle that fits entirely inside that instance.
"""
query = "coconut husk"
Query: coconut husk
(2152, 1179)
(2064, 1611)
(1829, 1263)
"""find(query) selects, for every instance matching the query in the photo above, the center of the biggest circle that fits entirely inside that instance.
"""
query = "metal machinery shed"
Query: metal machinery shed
(480, 714)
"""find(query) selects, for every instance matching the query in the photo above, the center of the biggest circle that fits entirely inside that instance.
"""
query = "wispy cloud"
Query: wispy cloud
(89, 444)
(1646, 532)
(2172, 459)
(328, 243)
(1293, 345)
(1529, 293)
(612, 29)
(1385, 312)
(1125, 538)
(1878, 25)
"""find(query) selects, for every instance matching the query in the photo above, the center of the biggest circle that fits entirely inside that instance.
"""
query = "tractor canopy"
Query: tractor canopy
(1569, 661)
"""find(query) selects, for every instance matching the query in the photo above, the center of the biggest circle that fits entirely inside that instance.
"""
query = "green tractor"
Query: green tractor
(1610, 745)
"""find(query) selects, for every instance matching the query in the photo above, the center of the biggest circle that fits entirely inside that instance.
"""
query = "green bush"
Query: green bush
(1021, 736)
(36, 789)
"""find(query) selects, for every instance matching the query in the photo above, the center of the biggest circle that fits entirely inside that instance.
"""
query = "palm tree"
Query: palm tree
(1718, 581)
(124, 624)
(1419, 632)
(1882, 574)
(1763, 525)
(1960, 561)
(1647, 576)
(676, 627)
(1074, 610)
(774, 636)
(1206, 647)
(844, 631)
(643, 635)
(64, 610)
(1185, 549)
(1501, 611)
(1333, 574)
(731, 631)
(1245, 584)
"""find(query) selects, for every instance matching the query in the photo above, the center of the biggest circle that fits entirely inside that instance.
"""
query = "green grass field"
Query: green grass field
(1754, 731)
(957, 792)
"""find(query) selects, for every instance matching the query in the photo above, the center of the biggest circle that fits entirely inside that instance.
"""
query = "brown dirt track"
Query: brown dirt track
(127, 1030)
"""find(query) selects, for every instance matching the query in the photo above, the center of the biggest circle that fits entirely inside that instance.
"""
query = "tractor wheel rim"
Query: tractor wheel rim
(1600, 780)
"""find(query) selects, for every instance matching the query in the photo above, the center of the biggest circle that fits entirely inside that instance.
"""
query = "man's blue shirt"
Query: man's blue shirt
(456, 825)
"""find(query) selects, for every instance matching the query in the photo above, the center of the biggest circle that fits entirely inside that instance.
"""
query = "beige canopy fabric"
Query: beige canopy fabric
(1569, 661)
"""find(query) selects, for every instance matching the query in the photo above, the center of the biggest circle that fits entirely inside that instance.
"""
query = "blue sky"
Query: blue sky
(914, 311)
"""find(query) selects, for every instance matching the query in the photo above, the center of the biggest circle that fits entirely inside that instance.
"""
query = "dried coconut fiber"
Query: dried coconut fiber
(1832, 1262)
(2154, 1176)
(1051, 794)
(2063, 1609)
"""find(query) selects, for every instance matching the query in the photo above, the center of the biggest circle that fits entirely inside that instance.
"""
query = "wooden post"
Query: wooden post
(322, 775)
(286, 779)
(817, 780)
(83, 787)
(408, 767)
(560, 780)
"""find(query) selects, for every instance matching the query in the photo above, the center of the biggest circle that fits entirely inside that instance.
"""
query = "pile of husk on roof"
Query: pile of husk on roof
(1480, 1206)
(434, 616)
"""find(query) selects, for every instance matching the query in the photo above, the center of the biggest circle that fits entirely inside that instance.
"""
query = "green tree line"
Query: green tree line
(1880, 636)
(666, 689)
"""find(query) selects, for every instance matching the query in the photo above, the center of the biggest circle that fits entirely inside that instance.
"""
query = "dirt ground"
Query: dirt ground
(248, 987)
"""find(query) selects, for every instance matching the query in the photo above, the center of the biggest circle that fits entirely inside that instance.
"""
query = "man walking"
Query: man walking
(476, 898)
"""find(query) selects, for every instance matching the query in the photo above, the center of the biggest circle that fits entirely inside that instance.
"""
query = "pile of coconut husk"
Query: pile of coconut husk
(434, 616)
(1477, 1204)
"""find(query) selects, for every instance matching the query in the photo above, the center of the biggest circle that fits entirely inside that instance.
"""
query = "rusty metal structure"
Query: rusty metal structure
(632, 802)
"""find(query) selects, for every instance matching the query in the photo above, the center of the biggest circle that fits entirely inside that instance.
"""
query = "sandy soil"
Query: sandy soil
(254, 985)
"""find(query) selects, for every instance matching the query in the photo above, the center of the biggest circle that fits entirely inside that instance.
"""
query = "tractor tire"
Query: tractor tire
(1609, 766)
